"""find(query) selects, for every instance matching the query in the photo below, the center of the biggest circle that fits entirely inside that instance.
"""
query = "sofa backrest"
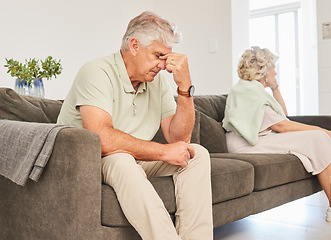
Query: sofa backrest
(209, 113)
(211, 105)
(25, 108)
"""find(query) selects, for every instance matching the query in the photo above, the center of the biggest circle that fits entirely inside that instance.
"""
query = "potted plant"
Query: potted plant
(30, 74)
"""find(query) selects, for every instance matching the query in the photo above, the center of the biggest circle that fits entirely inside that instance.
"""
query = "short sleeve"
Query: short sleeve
(94, 88)
(270, 118)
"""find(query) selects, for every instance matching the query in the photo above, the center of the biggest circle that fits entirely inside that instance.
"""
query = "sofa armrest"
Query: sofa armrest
(66, 201)
(322, 121)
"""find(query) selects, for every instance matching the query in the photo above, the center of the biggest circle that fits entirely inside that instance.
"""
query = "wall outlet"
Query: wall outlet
(326, 30)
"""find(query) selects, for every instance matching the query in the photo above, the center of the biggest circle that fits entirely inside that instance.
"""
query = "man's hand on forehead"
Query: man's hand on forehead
(177, 64)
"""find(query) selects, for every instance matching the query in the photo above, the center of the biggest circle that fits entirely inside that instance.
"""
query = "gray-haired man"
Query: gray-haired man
(125, 99)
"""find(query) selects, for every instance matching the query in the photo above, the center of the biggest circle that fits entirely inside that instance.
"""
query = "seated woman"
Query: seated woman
(256, 121)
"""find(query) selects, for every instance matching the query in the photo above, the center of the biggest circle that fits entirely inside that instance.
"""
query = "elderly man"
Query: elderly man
(125, 100)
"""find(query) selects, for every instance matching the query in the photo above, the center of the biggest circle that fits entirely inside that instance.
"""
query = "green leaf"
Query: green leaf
(34, 68)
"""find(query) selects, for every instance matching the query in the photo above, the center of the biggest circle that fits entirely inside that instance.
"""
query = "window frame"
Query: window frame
(275, 11)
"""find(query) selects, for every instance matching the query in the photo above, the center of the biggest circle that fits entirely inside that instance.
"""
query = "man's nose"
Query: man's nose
(162, 64)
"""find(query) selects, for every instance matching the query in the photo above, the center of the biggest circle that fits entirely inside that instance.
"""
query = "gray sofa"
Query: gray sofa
(70, 202)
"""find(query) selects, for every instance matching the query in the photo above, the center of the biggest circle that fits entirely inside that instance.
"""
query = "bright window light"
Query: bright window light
(276, 28)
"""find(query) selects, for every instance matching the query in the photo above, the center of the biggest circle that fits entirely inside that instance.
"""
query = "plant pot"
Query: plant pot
(35, 89)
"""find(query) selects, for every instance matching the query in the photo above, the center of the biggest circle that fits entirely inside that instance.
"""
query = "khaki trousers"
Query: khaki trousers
(143, 207)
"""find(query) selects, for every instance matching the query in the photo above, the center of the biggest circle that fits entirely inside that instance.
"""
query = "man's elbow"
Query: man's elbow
(107, 148)
(179, 138)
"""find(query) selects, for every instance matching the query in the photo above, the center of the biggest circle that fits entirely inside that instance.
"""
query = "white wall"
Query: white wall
(240, 33)
(309, 59)
(79, 30)
(203, 23)
(75, 31)
(324, 55)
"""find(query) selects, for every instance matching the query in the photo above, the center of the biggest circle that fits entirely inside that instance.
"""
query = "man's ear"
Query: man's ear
(134, 46)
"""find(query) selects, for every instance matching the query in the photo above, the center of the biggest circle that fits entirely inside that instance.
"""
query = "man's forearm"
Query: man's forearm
(182, 123)
(116, 141)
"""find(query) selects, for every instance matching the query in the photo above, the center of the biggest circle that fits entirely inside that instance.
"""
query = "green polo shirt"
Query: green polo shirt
(104, 83)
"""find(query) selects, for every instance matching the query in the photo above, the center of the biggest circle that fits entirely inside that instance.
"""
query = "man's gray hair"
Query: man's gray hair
(148, 27)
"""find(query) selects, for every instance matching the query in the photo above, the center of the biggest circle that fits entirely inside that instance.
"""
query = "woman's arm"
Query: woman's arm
(272, 83)
(290, 126)
(278, 96)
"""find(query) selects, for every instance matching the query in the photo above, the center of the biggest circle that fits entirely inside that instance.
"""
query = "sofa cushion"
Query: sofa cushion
(25, 108)
(212, 135)
(271, 170)
(230, 179)
(211, 105)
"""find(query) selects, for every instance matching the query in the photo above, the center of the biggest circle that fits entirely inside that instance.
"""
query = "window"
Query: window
(277, 25)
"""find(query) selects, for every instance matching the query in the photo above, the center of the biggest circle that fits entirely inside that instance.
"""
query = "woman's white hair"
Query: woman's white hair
(255, 63)
(148, 27)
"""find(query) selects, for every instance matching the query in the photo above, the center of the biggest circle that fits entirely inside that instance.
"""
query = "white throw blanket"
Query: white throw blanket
(244, 110)
(25, 148)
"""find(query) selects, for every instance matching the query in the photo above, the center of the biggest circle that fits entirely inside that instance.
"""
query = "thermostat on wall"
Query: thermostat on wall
(327, 30)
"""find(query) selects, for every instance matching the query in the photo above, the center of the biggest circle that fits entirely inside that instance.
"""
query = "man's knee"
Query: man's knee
(117, 161)
(201, 155)
(201, 152)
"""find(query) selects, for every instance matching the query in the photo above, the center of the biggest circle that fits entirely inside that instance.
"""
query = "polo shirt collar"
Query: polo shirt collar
(123, 74)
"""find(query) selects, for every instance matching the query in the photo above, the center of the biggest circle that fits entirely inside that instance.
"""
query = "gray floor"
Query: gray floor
(303, 219)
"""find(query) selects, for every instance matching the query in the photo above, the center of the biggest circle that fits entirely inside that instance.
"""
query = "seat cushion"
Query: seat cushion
(271, 169)
(230, 179)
